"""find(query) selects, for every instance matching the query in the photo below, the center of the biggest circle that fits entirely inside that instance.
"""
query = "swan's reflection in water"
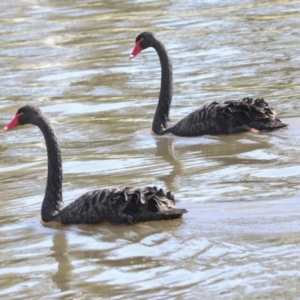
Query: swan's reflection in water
(223, 167)
(100, 252)
(165, 149)
(63, 275)
(184, 153)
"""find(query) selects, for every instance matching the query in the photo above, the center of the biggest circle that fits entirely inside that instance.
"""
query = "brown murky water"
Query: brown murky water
(240, 239)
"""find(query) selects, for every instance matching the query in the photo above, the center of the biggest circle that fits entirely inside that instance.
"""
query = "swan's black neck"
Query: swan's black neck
(52, 202)
(161, 118)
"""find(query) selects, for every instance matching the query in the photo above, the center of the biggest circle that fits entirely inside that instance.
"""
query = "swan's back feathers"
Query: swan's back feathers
(228, 117)
(121, 205)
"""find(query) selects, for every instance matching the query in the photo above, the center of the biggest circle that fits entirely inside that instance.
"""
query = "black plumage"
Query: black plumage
(215, 118)
(116, 205)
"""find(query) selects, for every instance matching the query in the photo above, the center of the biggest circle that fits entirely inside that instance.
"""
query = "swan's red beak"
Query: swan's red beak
(136, 50)
(13, 123)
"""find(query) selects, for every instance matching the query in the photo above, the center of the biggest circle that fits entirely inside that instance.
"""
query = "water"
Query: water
(240, 239)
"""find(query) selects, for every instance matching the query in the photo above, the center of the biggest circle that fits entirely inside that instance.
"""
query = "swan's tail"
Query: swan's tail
(150, 203)
(174, 213)
(253, 114)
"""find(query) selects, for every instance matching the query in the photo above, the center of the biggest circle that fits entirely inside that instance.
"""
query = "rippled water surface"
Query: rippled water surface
(240, 239)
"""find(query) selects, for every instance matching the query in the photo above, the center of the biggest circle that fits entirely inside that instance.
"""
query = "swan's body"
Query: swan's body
(227, 117)
(117, 205)
(216, 118)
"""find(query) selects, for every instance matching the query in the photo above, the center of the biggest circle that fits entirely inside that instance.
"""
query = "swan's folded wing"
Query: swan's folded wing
(254, 114)
(210, 119)
(228, 117)
(121, 205)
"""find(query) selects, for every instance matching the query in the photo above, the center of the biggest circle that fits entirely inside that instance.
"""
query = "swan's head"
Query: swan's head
(143, 41)
(25, 115)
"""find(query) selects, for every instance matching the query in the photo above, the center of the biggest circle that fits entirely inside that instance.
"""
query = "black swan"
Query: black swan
(116, 205)
(215, 118)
